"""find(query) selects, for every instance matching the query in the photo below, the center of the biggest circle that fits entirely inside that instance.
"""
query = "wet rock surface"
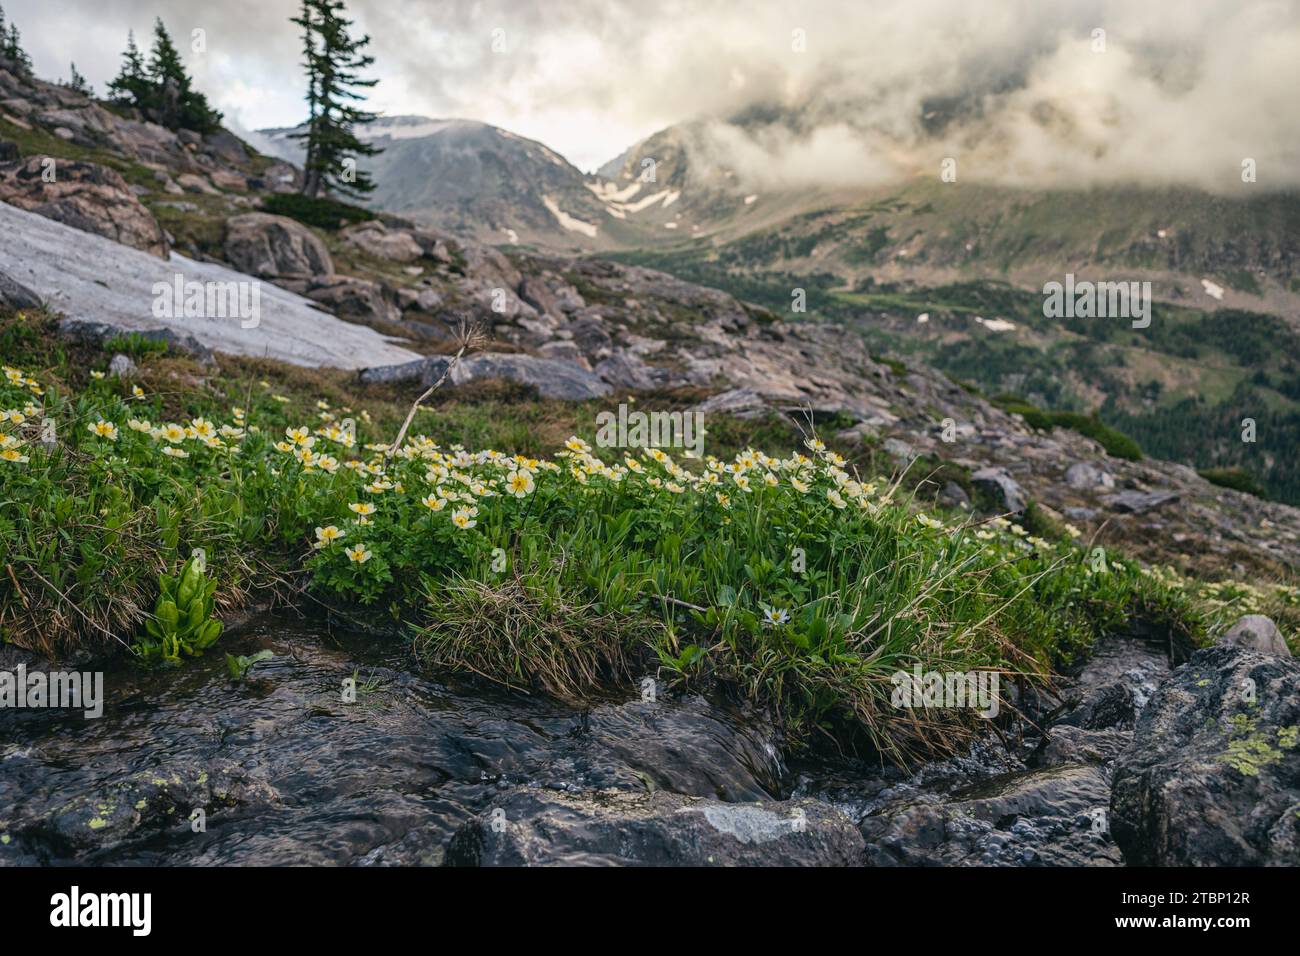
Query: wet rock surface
(539, 828)
(1042, 802)
(1213, 777)
(285, 772)
(1134, 764)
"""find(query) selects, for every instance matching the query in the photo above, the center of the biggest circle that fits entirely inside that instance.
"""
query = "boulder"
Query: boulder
(624, 370)
(1088, 476)
(1213, 775)
(275, 247)
(1257, 633)
(620, 828)
(551, 378)
(100, 333)
(352, 298)
(564, 352)
(194, 183)
(1055, 816)
(737, 402)
(86, 196)
(15, 295)
(375, 239)
(1005, 491)
(122, 366)
(226, 146)
(1139, 502)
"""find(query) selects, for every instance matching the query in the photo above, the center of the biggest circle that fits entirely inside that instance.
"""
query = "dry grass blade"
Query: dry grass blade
(470, 336)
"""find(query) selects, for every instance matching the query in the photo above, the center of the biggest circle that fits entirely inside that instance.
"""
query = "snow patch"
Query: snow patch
(609, 192)
(995, 325)
(567, 221)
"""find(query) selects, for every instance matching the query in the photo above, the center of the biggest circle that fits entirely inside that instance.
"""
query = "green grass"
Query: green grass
(806, 592)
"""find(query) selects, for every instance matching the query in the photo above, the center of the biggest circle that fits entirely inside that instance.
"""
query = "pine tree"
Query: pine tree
(131, 87)
(334, 61)
(11, 49)
(77, 83)
(162, 90)
(177, 105)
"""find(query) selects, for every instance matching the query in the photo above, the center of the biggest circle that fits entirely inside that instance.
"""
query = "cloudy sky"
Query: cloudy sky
(1028, 90)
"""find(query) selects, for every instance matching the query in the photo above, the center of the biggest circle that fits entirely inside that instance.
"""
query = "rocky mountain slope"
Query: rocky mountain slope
(483, 182)
(582, 328)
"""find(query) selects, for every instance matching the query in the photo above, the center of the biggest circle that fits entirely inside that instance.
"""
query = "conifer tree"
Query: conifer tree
(334, 60)
(11, 49)
(177, 105)
(77, 83)
(131, 86)
(161, 89)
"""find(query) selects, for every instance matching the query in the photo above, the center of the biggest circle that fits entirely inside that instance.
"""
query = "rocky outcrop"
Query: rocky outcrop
(86, 196)
(94, 280)
(352, 298)
(1049, 817)
(275, 247)
(551, 378)
(375, 239)
(1002, 489)
(1257, 633)
(618, 828)
(15, 295)
(1213, 775)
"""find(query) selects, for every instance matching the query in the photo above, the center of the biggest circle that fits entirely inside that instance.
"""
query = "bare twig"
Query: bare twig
(471, 337)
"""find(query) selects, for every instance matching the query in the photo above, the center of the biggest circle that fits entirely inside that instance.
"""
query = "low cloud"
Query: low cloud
(829, 92)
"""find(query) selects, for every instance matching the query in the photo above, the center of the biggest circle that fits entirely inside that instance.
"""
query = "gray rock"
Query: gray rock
(102, 332)
(353, 298)
(1213, 775)
(563, 351)
(899, 450)
(952, 495)
(122, 366)
(108, 286)
(551, 378)
(1054, 816)
(1139, 502)
(275, 246)
(618, 828)
(737, 402)
(1005, 491)
(85, 196)
(15, 295)
(1255, 632)
(624, 370)
(1088, 476)
(376, 240)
